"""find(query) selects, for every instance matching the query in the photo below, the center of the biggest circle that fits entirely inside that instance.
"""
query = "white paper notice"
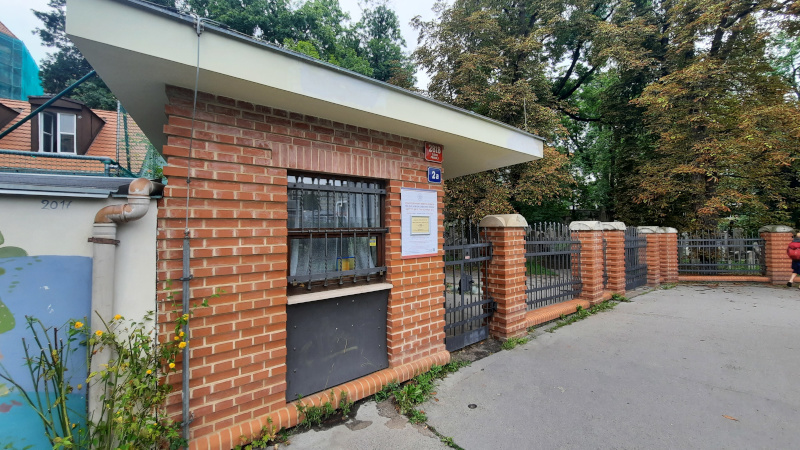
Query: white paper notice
(419, 220)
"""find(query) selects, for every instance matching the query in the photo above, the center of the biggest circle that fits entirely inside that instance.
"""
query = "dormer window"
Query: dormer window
(57, 132)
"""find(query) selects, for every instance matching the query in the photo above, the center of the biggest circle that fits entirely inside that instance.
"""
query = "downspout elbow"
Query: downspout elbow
(138, 203)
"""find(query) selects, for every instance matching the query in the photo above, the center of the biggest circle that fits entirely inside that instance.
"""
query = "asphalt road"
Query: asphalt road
(689, 367)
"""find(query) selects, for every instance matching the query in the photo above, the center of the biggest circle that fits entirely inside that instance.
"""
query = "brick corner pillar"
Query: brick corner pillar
(505, 279)
(776, 240)
(669, 255)
(614, 234)
(654, 256)
(590, 235)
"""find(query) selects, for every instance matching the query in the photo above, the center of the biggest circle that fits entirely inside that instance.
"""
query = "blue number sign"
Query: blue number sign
(434, 175)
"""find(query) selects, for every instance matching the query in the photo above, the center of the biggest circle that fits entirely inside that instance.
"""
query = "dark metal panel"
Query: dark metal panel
(635, 259)
(552, 265)
(721, 253)
(330, 342)
(468, 306)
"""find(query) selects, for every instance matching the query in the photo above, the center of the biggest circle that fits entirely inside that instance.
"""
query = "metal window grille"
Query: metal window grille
(335, 229)
(552, 265)
(635, 258)
(721, 253)
(467, 303)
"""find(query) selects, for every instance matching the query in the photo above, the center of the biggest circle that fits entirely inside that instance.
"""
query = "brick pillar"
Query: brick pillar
(505, 279)
(590, 235)
(653, 254)
(776, 240)
(614, 233)
(669, 254)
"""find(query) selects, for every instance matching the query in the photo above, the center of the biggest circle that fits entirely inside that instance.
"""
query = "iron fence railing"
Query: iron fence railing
(721, 253)
(468, 305)
(635, 258)
(552, 265)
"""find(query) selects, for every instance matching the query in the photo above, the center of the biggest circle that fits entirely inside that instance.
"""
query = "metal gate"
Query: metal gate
(467, 303)
(635, 259)
(552, 265)
(721, 253)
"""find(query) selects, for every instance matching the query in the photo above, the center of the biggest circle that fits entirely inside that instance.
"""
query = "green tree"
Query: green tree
(382, 44)
(724, 126)
(67, 65)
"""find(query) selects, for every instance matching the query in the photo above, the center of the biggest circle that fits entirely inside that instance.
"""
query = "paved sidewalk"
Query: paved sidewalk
(688, 367)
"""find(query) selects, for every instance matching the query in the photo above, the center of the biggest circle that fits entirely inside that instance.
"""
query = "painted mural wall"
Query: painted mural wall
(46, 273)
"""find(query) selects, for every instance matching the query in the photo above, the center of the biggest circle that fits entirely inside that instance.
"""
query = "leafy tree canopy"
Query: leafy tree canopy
(678, 113)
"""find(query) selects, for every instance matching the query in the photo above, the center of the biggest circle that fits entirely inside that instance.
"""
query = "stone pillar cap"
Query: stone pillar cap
(666, 230)
(613, 226)
(586, 225)
(776, 229)
(648, 229)
(504, 221)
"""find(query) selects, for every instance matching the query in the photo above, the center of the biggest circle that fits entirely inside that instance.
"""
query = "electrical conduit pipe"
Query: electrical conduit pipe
(104, 240)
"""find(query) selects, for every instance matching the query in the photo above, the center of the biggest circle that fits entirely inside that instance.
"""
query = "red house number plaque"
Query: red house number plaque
(433, 152)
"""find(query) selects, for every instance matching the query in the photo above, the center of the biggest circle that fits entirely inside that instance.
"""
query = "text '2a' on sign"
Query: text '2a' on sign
(433, 152)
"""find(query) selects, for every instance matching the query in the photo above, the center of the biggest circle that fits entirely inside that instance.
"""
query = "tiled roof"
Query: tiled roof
(6, 31)
(104, 144)
(19, 139)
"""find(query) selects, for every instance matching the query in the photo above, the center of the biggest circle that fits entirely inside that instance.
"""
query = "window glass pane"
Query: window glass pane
(330, 255)
(67, 143)
(47, 143)
(47, 120)
(293, 208)
(67, 123)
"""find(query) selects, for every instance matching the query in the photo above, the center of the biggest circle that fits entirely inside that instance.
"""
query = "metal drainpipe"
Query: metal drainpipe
(104, 240)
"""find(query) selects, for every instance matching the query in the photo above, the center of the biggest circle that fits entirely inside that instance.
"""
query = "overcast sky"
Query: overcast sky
(17, 16)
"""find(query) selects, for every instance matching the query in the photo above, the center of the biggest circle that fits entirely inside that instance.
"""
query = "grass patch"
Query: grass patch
(268, 437)
(417, 389)
(513, 342)
(666, 286)
(581, 314)
(534, 268)
(619, 298)
(315, 415)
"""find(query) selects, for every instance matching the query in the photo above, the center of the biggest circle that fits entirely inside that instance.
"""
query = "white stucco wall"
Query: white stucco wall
(44, 225)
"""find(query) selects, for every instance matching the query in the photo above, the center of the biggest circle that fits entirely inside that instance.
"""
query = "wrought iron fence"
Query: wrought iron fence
(467, 303)
(721, 253)
(552, 265)
(635, 258)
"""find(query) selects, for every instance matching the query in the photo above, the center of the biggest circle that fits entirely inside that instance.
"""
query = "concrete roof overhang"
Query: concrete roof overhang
(138, 49)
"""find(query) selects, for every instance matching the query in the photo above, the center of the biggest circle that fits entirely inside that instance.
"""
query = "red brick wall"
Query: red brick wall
(669, 266)
(237, 219)
(779, 265)
(615, 260)
(591, 265)
(506, 281)
(653, 258)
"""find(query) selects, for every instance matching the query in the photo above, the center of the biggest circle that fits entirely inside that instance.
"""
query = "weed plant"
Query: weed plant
(513, 342)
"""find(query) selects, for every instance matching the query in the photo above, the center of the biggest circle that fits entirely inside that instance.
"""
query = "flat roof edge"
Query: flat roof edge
(221, 29)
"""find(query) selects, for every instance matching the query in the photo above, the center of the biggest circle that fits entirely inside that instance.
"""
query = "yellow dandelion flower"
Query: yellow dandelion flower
(117, 317)
(149, 371)
(176, 338)
(181, 334)
(78, 325)
(99, 333)
(182, 344)
(171, 365)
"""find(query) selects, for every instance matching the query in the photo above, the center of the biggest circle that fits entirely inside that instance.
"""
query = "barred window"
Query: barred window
(336, 234)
